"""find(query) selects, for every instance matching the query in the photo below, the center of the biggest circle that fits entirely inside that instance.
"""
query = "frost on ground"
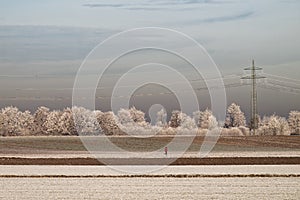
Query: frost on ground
(149, 188)
(50, 170)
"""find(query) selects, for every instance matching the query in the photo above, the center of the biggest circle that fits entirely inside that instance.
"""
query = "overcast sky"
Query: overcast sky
(52, 37)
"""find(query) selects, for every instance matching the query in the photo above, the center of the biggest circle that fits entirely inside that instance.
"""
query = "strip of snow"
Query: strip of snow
(25, 170)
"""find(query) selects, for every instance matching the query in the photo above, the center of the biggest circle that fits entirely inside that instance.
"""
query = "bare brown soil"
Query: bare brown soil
(153, 161)
(158, 176)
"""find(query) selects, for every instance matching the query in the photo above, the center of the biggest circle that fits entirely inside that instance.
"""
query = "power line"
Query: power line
(295, 81)
(283, 83)
(279, 88)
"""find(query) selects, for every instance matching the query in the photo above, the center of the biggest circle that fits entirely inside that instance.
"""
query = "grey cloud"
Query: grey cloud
(156, 5)
(93, 5)
(229, 18)
(241, 16)
(185, 2)
(146, 8)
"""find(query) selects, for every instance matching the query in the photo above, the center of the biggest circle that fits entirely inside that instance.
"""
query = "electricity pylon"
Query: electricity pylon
(253, 77)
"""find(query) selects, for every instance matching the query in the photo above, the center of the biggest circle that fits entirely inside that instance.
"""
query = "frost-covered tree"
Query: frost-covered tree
(72, 121)
(39, 119)
(108, 123)
(27, 123)
(235, 117)
(186, 122)
(66, 122)
(212, 123)
(182, 123)
(53, 125)
(197, 116)
(1, 124)
(11, 122)
(187, 125)
(86, 121)
(175, 119)
(205, 119)
(92, 125)
(202, 119)
(15, 122)
(124, 117)
(294, 122)
(137, 115)
(131, 116)
(161, 118)
(132, 122)
(274, 125)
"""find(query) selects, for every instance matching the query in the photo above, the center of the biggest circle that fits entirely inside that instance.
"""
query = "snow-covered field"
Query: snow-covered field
(51, 170)
(26, 187)
(78, 186)
(149, 188)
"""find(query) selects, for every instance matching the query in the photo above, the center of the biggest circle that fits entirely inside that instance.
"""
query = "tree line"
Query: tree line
(81, 121)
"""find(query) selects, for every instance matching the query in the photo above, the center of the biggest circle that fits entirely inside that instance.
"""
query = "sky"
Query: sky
(43, 44)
